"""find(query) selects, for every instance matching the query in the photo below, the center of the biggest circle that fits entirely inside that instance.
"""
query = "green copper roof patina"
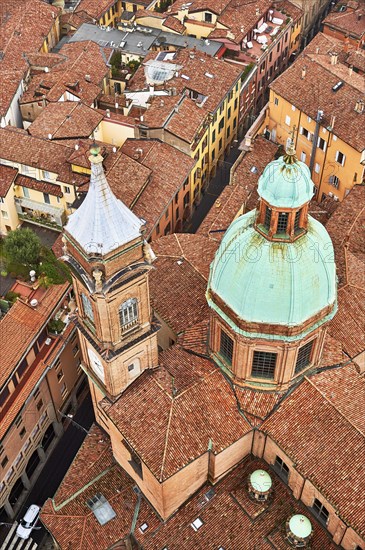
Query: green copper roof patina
(286, 182)
(260, 480)
(281, 283)
(300, 526)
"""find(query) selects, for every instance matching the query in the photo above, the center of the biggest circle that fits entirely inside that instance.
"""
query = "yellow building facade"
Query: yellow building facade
(336, 165)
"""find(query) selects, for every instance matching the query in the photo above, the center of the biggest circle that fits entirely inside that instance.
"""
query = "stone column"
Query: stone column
(41, 454)
(9, 509)
(58, 428)
(25, 480)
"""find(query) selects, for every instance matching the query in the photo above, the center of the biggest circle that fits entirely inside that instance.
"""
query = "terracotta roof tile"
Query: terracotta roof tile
(230, 518)
(225, 75)
(195, 338)
(174, 25)
(39, 153)
(37, 185)
(20, 326)
(167, 414)
(23, 27)
(66, 119)
(182, 284)
(255, 403)
(356, 59)
(94, 8)
(314, 433)
(306, 94)
(80, 59)
(169, 169)
(7, 177)
(348, 21)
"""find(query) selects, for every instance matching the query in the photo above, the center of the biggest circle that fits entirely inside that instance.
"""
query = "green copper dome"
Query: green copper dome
(300, 526)
(260, 481)
(280, 283)
(286, 183)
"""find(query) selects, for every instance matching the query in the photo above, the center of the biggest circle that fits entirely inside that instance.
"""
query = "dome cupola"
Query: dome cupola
(285, 189)
(272, 284)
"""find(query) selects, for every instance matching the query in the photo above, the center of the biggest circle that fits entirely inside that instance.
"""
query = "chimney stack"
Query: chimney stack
(360, 106)
(332, 122)
(334, 58)
(304, 72)
(350, 70)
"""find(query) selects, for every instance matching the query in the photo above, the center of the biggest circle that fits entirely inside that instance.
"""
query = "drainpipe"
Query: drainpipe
(315, 140)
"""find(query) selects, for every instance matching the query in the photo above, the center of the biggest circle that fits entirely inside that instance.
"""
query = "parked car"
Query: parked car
(28, 522)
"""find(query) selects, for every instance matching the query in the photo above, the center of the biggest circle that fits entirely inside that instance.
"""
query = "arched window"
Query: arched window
(128, 313)
(87, 307)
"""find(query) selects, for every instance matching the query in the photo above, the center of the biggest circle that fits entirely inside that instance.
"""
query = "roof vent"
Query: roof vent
(34, 302)
(337, 86)
(260, 485)
(32, 275)
(304, 72)
(101, 508)
(88, 78)
(299, 531)
(360, 106)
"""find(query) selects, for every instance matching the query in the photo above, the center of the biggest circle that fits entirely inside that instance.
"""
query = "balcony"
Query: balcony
(40, 213)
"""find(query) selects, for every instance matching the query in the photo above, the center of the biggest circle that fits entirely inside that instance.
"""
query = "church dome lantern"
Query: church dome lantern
(260, 485)
(299, 531)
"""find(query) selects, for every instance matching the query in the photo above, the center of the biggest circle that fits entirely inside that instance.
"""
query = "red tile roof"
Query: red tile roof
(180, 278)
(306, 94)
(40, 153)
(169, 169)
(174, 25)
(215, 87)
(349, 21)
(7, 177)
(66, 119)
(24, 24)
(324, 444)
(37, 185)
(80, 59)
(230, 518)
(20, 327)
(169, 401)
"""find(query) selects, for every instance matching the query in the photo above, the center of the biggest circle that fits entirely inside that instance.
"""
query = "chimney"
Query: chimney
(304, 72)
(360, 106)
(334, 58)
(107, 113)
(350, 70)
(332, 122)
(152, 89)
(346, 45)
(317, 50)
(257, 11)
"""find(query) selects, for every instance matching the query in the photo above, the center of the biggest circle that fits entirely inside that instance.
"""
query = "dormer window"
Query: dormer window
(128, 313)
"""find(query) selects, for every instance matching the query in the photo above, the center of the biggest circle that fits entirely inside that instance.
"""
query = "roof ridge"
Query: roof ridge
(334, 406)
(166, 440)
(199, 381)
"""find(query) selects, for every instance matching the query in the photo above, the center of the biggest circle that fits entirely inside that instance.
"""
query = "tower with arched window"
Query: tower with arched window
(272, 285)
(110, 261)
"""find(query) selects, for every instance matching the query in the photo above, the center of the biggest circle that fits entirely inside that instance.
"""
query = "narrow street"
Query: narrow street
(216, 186)
(56, 468)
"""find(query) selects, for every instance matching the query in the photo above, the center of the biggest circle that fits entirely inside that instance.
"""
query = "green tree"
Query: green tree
(22, 246)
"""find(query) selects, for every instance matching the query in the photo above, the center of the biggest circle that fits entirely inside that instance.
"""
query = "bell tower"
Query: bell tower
(110, 261)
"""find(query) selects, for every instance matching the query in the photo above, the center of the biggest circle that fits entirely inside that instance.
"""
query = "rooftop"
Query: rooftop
(193, 76)
(308, 95)
(309, 415)
(21, 326)
(7, 177)
(81, 74)
(228, 516)
(169, 400)
(348, 21)
(180, 278)
(66, 119)
(38, 153)
(23, 27)
(169, 168)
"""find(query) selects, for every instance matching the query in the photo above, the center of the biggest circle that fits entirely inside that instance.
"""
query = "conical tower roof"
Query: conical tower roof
(102, 223)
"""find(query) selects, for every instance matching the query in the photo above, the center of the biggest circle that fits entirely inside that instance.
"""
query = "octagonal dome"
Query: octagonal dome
(270, 282)
(286, 182)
